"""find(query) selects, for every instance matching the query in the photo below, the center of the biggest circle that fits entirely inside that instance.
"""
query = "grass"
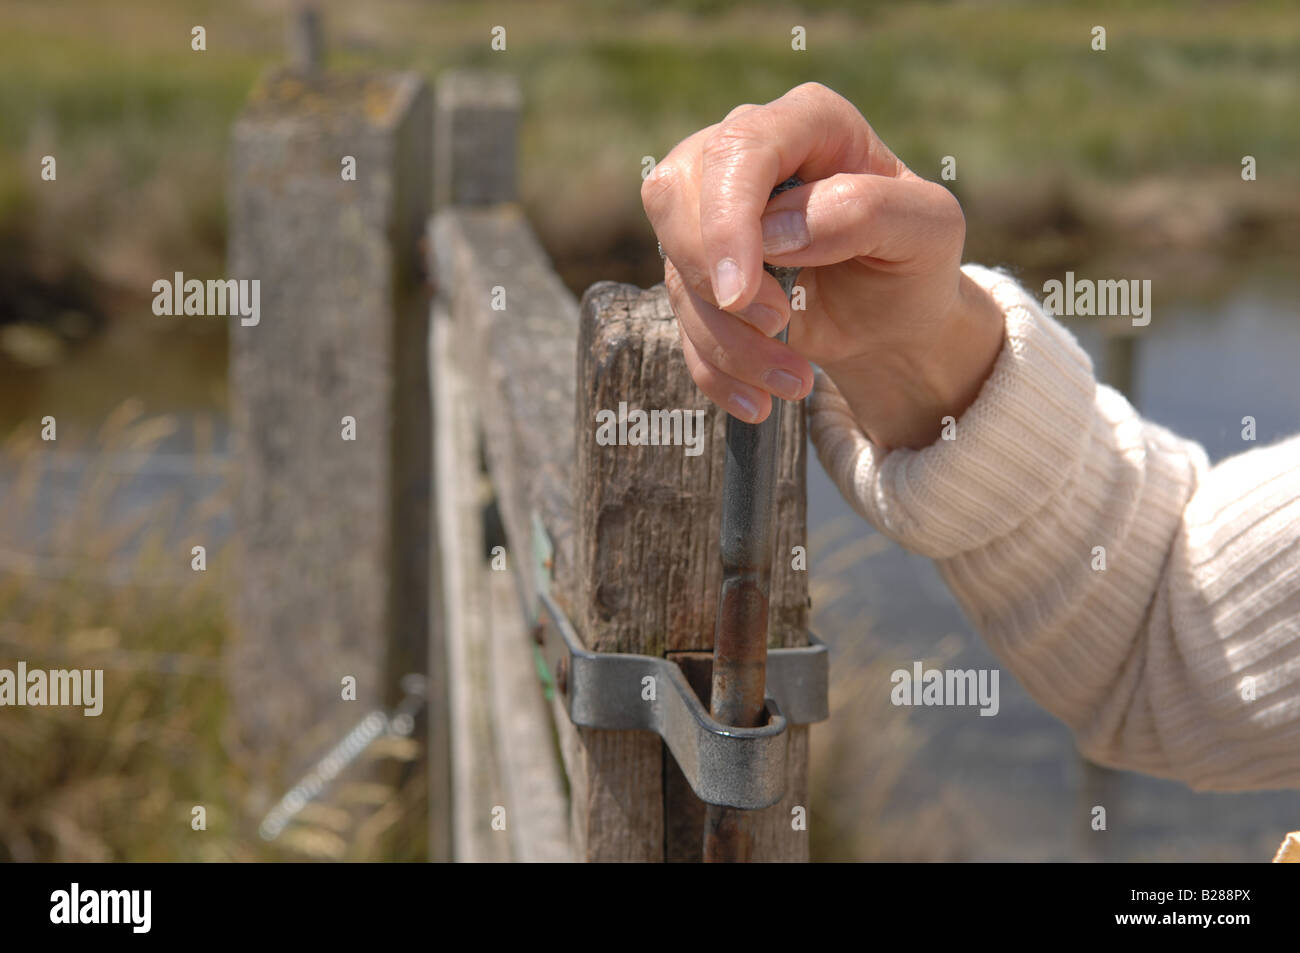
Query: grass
(119, 594)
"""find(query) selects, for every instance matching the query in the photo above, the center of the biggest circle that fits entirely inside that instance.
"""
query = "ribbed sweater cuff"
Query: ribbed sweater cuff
(1013, 450)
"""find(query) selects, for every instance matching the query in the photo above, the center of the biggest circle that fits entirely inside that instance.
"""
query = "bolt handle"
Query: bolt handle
(786, 277)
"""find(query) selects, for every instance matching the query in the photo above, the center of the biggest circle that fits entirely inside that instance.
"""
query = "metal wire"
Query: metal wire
(368, 730)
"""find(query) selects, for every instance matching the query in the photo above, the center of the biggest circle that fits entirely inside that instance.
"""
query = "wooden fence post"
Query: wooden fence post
(476, 133)
(329, 193)
(647, 575)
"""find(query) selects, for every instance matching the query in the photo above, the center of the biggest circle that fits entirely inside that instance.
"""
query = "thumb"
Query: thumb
(852, 215)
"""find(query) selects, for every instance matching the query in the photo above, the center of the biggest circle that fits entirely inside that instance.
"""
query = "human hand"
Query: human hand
(905, 336)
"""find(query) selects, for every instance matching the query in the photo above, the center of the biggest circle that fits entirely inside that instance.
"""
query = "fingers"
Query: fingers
(735, 365)
(810, 131)
(705, 197)
(708, 202)
(740, 400)
(890, 220)
(678, 226)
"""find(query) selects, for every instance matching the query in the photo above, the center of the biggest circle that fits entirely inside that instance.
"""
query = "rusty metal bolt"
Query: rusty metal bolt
(539, 632)
(562, 676)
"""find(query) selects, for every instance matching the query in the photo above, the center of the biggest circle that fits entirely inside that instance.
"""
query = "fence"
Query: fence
(394, 447)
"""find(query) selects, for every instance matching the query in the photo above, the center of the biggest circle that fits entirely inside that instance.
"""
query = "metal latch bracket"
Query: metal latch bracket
(734, 767)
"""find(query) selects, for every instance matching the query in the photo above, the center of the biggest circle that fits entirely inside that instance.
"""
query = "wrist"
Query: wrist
(900, 399)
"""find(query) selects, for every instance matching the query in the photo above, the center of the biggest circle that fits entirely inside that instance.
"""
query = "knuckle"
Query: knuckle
(735, 135)
(945, 201)
(702, 287)
(680, 289)
(673, 281)
(740, 110)
(706, 379)
(815, 90)
(657, 187)
(949, 211)
(853, 196)
(845, 190)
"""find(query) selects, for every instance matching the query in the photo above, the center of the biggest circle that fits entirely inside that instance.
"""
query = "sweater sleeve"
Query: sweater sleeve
(1179, 658)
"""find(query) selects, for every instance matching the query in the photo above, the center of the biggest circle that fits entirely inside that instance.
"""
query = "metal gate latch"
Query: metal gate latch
(734, 767)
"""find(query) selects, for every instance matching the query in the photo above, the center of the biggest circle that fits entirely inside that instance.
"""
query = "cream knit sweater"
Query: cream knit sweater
(1182, 657)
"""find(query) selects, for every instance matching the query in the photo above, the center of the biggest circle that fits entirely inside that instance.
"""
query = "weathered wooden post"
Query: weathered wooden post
(633, 529)
(648, 576)
(476, 132)
(329, 192)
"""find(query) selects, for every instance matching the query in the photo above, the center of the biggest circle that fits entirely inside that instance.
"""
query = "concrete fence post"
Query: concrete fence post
(329, 192)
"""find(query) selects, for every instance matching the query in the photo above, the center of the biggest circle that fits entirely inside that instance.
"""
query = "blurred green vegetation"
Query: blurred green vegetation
(107, 594)
(140, 123)
(119, 785)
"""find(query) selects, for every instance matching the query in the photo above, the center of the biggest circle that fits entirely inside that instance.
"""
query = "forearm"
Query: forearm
(1128, 587)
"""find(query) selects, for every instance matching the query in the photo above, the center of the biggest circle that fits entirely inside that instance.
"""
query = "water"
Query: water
(1021, 790)
(1011, 786)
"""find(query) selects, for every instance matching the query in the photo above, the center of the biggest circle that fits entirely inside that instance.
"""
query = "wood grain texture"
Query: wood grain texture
(502, 751)
(533, 785)
(647, 520)
(634, 528)
(522, 359)
(477, 784)
(647, 569)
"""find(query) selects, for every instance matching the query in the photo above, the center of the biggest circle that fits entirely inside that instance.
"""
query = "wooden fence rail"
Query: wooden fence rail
(634, 528)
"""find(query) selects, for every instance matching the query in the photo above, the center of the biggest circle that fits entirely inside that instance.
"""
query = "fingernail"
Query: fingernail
(748, 410)
(783, 384)
(768, 320)
(727, 282)
(785, 232)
